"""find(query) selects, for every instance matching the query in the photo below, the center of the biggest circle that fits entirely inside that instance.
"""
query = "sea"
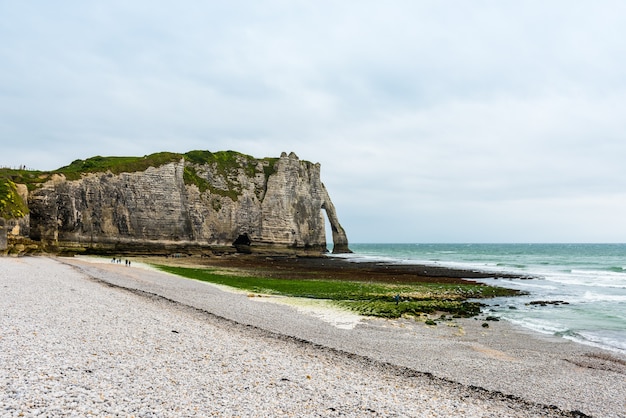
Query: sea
(590, 278)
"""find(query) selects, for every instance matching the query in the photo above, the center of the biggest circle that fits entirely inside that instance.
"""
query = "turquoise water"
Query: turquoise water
(590, 277)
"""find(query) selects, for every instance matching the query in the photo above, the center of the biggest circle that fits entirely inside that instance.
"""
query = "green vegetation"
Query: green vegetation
(216, 204)
(268, 169)
(190, 176)
(225, 163)
(371, 299)
(116, 165)
(11, 204)
(32, 179)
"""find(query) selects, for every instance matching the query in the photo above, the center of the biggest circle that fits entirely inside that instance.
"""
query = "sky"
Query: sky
(433, 121)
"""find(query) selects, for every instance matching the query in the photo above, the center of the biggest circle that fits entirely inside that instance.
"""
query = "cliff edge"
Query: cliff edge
(175, 202)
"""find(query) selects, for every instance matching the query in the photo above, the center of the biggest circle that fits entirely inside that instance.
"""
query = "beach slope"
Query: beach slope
(82, 338)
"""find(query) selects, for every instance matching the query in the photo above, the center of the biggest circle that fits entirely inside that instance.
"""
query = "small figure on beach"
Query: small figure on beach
(397, 298)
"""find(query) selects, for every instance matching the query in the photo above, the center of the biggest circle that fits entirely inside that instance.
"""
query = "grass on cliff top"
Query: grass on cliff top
(116, 165)
(370, 299)
(225, 162)
(32, 179)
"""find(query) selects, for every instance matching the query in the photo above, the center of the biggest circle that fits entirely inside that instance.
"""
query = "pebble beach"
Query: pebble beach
(80, 338)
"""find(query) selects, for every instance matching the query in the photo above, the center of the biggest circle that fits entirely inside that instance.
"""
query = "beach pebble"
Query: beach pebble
(71, 346)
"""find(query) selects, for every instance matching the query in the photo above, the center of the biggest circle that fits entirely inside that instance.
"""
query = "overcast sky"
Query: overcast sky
(434, 121)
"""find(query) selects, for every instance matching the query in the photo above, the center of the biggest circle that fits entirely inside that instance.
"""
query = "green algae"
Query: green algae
(365, 298)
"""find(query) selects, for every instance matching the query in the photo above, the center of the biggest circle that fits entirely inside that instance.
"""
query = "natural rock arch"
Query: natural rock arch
(340, 239)
(190, 202)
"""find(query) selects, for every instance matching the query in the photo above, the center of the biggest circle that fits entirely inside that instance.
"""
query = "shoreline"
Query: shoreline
(498, 362)
(511, 347)
(341, 268)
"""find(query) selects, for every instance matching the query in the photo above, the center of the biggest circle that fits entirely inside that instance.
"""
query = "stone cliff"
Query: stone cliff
(3, 235)
(195, 200)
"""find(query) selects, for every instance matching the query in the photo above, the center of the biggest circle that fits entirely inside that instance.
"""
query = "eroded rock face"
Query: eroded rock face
(185, 204)
(3, 235)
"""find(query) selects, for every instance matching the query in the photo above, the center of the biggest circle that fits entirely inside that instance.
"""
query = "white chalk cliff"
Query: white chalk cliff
(257, 204)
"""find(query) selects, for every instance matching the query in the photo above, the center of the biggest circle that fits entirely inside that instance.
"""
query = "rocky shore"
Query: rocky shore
(82, 338)
(338, 268)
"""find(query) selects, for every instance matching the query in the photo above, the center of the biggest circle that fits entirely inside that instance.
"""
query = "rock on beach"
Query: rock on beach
(80, 339)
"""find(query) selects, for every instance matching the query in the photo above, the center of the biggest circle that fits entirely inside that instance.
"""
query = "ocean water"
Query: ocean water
(591, 278)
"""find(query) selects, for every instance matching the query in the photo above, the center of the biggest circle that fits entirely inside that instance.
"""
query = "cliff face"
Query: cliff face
(257, 204)
(3, 235)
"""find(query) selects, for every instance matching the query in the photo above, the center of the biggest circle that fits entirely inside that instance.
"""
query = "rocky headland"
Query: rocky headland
(199, 202)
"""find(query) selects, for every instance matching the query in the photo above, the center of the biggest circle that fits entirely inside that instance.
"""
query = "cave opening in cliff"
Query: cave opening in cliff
(243, 239)
(242, 243)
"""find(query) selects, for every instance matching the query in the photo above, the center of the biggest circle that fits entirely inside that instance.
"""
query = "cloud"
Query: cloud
(432, 121)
